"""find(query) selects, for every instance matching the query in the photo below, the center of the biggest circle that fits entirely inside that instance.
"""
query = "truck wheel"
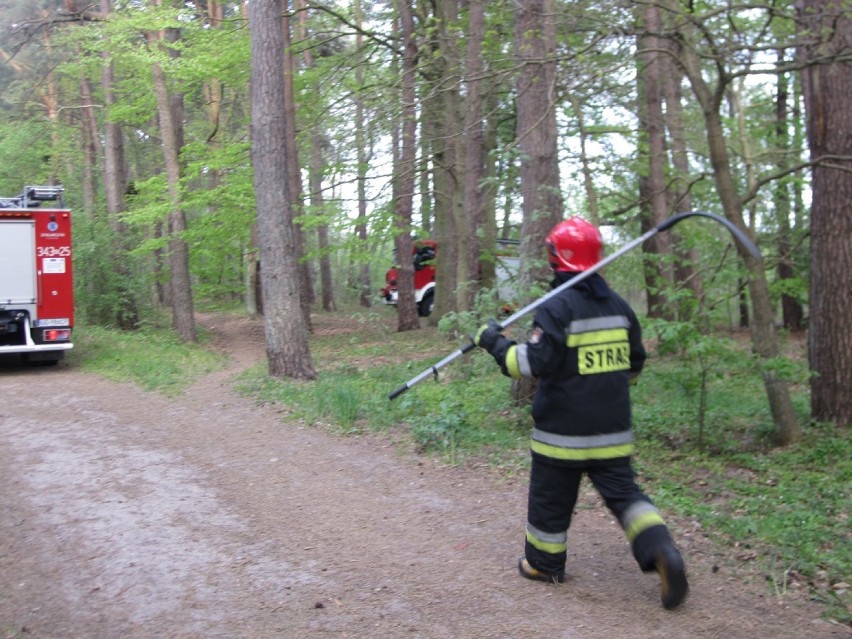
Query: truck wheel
(424, 309)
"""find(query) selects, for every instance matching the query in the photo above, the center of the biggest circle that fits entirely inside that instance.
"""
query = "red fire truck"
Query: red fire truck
(424, 278)
(424, 253)
(36, 285)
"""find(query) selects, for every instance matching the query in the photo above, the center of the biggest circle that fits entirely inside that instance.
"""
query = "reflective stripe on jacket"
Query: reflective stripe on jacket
(584, 350)
(582, 448)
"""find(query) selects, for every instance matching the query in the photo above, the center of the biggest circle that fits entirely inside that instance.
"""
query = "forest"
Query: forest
(196, 141)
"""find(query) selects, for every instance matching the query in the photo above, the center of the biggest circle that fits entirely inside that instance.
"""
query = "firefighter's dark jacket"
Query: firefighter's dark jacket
(585, 349)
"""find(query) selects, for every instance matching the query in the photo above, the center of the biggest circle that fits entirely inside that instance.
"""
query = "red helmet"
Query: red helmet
(574, 245)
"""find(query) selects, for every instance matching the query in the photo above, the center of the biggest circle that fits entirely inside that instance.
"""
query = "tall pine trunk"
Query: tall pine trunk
(183, 316)
(364, 289)
(294, 179)
(535, 44)
(315, 175)
(407, 318)
(652, 158)
(287, 347)
(474, 127)
(827, 87)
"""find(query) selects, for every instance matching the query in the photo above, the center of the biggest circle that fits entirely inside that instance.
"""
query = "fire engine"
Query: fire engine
(424, 254)
(36, 285)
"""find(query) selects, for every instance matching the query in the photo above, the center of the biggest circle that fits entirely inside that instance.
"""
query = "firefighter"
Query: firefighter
(585, 349)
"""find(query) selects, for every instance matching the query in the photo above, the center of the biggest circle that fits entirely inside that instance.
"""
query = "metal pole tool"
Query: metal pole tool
(741, 237)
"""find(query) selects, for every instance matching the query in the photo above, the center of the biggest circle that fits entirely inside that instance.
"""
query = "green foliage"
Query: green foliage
(351, 394)
(785, 509)
(441, 430)
(153, 358)
(707, 358)
(25, 153)
(110, 290)
(795, 287)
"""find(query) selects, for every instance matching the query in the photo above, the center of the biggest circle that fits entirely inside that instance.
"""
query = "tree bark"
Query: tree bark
(686, 271)
(316, 171)
(455, 250)
(287, 345)
(652, 152)
(591, 207)
(126, 313)
(827, 85)
(474, 128)
(407, 318)
(792, 312)
(294, 171)
(364, 289)
(88, 140)
(183, 316)
(441, 127)
(535, 44)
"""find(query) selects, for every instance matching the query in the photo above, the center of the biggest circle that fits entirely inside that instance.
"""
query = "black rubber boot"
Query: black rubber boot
(673, 584)
(535, 574)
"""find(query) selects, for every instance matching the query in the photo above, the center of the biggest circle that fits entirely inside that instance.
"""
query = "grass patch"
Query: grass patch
(439, 416)
(152, 358)
(465, 412)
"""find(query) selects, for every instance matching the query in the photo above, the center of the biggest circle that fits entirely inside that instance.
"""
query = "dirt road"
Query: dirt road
(127, 514)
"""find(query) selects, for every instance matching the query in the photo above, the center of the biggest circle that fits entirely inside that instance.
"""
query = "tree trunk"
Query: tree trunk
(126, 312)
(827, 90)
(591, 207)
(686, 272)
(88, 140)
(657, 268)
(535, 43)
(318, 208)
(115, 171)
(315, 173)
(791, 310)
(364, 288)
(488, 229)
(287, 345)
(441, 129)
(447, 13)
(170, 129)
(407, 318)
(764, 338)
(474, 128)
(294, 171)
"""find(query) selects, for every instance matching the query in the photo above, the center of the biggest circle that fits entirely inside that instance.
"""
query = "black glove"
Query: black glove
(488, 335)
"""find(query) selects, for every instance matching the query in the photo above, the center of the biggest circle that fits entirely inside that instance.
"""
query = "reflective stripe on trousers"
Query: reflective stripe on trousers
(580, 448)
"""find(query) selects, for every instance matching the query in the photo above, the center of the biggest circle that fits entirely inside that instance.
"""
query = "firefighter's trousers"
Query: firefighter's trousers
(553, 494)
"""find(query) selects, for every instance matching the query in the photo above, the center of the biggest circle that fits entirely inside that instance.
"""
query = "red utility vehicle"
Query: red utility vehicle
(36, 285)
(424, 278)
(424, 251)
